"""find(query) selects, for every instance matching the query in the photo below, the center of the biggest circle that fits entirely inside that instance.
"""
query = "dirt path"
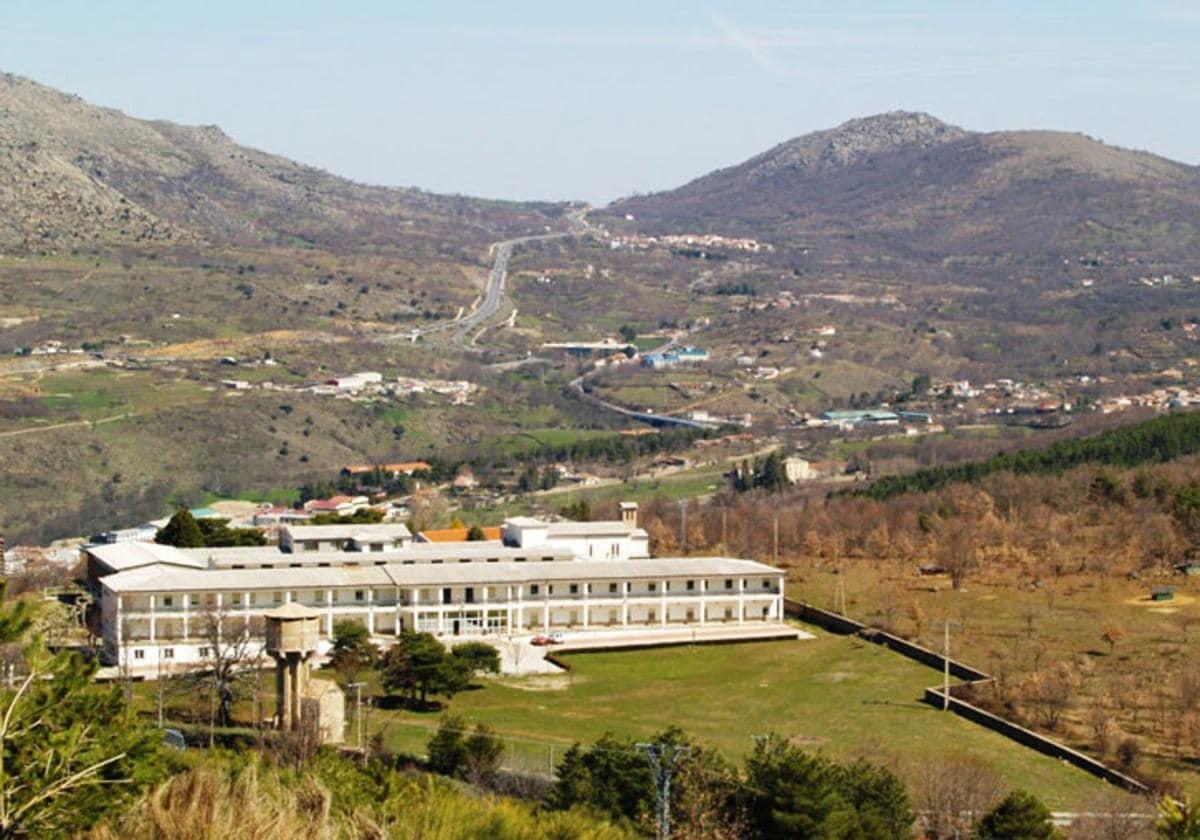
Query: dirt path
(72, 424)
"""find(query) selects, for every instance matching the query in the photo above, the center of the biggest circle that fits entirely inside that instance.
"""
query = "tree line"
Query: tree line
(1153, 441)
(611, 448)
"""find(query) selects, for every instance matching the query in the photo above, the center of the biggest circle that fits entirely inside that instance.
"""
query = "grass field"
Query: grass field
(95, 394)
(839, 695)
(1009, 629)
(687, 484)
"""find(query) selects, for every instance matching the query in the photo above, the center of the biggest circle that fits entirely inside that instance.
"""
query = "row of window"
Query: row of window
(360, 594)
(164, 653)
(354, 563)
(613, 589)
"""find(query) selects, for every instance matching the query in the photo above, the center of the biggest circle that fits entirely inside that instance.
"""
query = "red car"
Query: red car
(555, 638)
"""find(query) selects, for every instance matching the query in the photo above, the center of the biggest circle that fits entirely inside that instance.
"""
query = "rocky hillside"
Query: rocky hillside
(907, 185)
(74, 175)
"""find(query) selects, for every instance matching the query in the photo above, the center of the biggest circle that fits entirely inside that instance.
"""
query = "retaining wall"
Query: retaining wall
(841, 625)
(1031, 739)
(835, 623)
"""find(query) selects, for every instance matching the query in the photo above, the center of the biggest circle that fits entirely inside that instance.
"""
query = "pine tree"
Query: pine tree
(181, 531)
(68, 755)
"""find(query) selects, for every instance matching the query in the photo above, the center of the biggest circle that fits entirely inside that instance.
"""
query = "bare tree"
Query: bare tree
(1050, 693)
(953, 793)
(232, 655)
(1113, 815)
(516, 649)
(1104, 730)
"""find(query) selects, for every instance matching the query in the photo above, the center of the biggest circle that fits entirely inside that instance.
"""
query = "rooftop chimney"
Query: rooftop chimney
(629, 514)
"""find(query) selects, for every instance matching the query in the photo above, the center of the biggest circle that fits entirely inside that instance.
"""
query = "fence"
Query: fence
(844, 626)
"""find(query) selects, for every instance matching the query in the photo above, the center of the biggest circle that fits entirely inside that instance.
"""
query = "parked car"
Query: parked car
(540, 640)
(557, 638)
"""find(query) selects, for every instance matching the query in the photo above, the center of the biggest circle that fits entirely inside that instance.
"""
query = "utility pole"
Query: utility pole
(775, 552)
(724, 516)
(946, 663)
(683, 526)
(358, 720)
(160, 689)
(663, 758)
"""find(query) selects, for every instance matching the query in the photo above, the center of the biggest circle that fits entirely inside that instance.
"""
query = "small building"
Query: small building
(351, 537)
(856, 418)
(339, 505)
(392, 470)
(1162, 593)
(674, 358)
(465, 480)
(692, 354)
(356, 381)
(269, 515)
(798, 469)
(142, 533)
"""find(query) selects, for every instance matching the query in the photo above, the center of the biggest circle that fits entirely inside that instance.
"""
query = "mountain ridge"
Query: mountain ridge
(73, 174)
(906, 183)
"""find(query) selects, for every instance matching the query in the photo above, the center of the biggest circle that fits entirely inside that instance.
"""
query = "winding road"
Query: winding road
(576, 389)
(467, 328)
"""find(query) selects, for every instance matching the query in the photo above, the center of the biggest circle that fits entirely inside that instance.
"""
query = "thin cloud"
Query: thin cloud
(752, 46)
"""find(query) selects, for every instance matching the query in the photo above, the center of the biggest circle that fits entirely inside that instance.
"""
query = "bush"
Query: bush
(1129, 753)
(1019, 816)
(474, 757)
(479, 657)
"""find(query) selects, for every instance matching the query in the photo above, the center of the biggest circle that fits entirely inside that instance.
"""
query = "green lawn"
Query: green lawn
(836, 694)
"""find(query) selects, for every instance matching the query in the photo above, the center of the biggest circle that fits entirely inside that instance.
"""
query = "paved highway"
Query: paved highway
(493, 295)
(468, 327)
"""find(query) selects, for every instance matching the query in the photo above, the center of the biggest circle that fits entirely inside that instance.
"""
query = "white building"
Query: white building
(159, 604)
(615, 540)
(798, 469)
(353, 537)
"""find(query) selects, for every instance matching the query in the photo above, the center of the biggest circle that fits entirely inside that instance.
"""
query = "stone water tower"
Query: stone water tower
(293, 632)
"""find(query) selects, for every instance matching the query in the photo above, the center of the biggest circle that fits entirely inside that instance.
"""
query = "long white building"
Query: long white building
(159, 604)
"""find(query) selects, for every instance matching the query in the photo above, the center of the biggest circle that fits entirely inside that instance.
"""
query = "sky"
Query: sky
(595, 100)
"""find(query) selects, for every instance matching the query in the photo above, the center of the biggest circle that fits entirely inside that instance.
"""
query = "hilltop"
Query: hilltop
(913, 186)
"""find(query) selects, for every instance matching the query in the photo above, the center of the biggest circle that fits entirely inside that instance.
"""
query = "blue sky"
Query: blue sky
(594, 100)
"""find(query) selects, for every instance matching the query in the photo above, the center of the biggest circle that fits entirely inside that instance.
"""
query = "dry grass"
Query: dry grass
(259, 803)
(207, 804)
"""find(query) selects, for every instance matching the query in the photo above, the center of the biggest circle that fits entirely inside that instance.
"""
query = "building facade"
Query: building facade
(161, 606)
